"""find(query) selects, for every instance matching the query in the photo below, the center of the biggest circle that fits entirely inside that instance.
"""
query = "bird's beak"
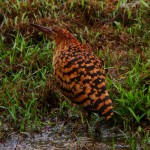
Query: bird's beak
(46, 30)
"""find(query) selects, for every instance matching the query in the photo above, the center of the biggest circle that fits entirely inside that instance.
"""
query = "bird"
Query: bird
(78, 72)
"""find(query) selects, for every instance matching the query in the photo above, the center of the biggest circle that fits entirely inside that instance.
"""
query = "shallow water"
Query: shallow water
(62, 136)
(69, 135)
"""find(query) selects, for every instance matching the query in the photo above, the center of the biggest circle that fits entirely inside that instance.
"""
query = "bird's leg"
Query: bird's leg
(88, 128)
(82, 120)
(78, 124)
(89, 116)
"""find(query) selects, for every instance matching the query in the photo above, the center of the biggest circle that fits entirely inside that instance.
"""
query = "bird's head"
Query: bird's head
(58, 34)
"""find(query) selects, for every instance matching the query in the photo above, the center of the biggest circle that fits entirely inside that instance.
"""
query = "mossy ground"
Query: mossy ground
(117, 31)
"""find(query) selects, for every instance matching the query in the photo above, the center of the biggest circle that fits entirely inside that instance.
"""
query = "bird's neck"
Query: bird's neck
(64, 45)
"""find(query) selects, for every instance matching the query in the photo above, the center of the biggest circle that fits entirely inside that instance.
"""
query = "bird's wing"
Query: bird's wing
(80, 77)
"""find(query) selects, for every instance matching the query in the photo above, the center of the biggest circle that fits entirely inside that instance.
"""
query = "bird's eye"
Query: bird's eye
(54, 34)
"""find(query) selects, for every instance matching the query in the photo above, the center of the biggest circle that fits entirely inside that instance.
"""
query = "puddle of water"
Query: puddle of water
(62, 137)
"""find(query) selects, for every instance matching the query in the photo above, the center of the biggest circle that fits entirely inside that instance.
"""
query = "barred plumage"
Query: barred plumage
(78, 72)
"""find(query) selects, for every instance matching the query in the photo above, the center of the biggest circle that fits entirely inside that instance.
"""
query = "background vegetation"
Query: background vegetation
(117, 31)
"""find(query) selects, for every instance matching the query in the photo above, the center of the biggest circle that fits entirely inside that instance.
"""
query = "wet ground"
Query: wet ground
(68, 136)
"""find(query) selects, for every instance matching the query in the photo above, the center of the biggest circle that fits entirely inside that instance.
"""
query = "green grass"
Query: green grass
(26, 60)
